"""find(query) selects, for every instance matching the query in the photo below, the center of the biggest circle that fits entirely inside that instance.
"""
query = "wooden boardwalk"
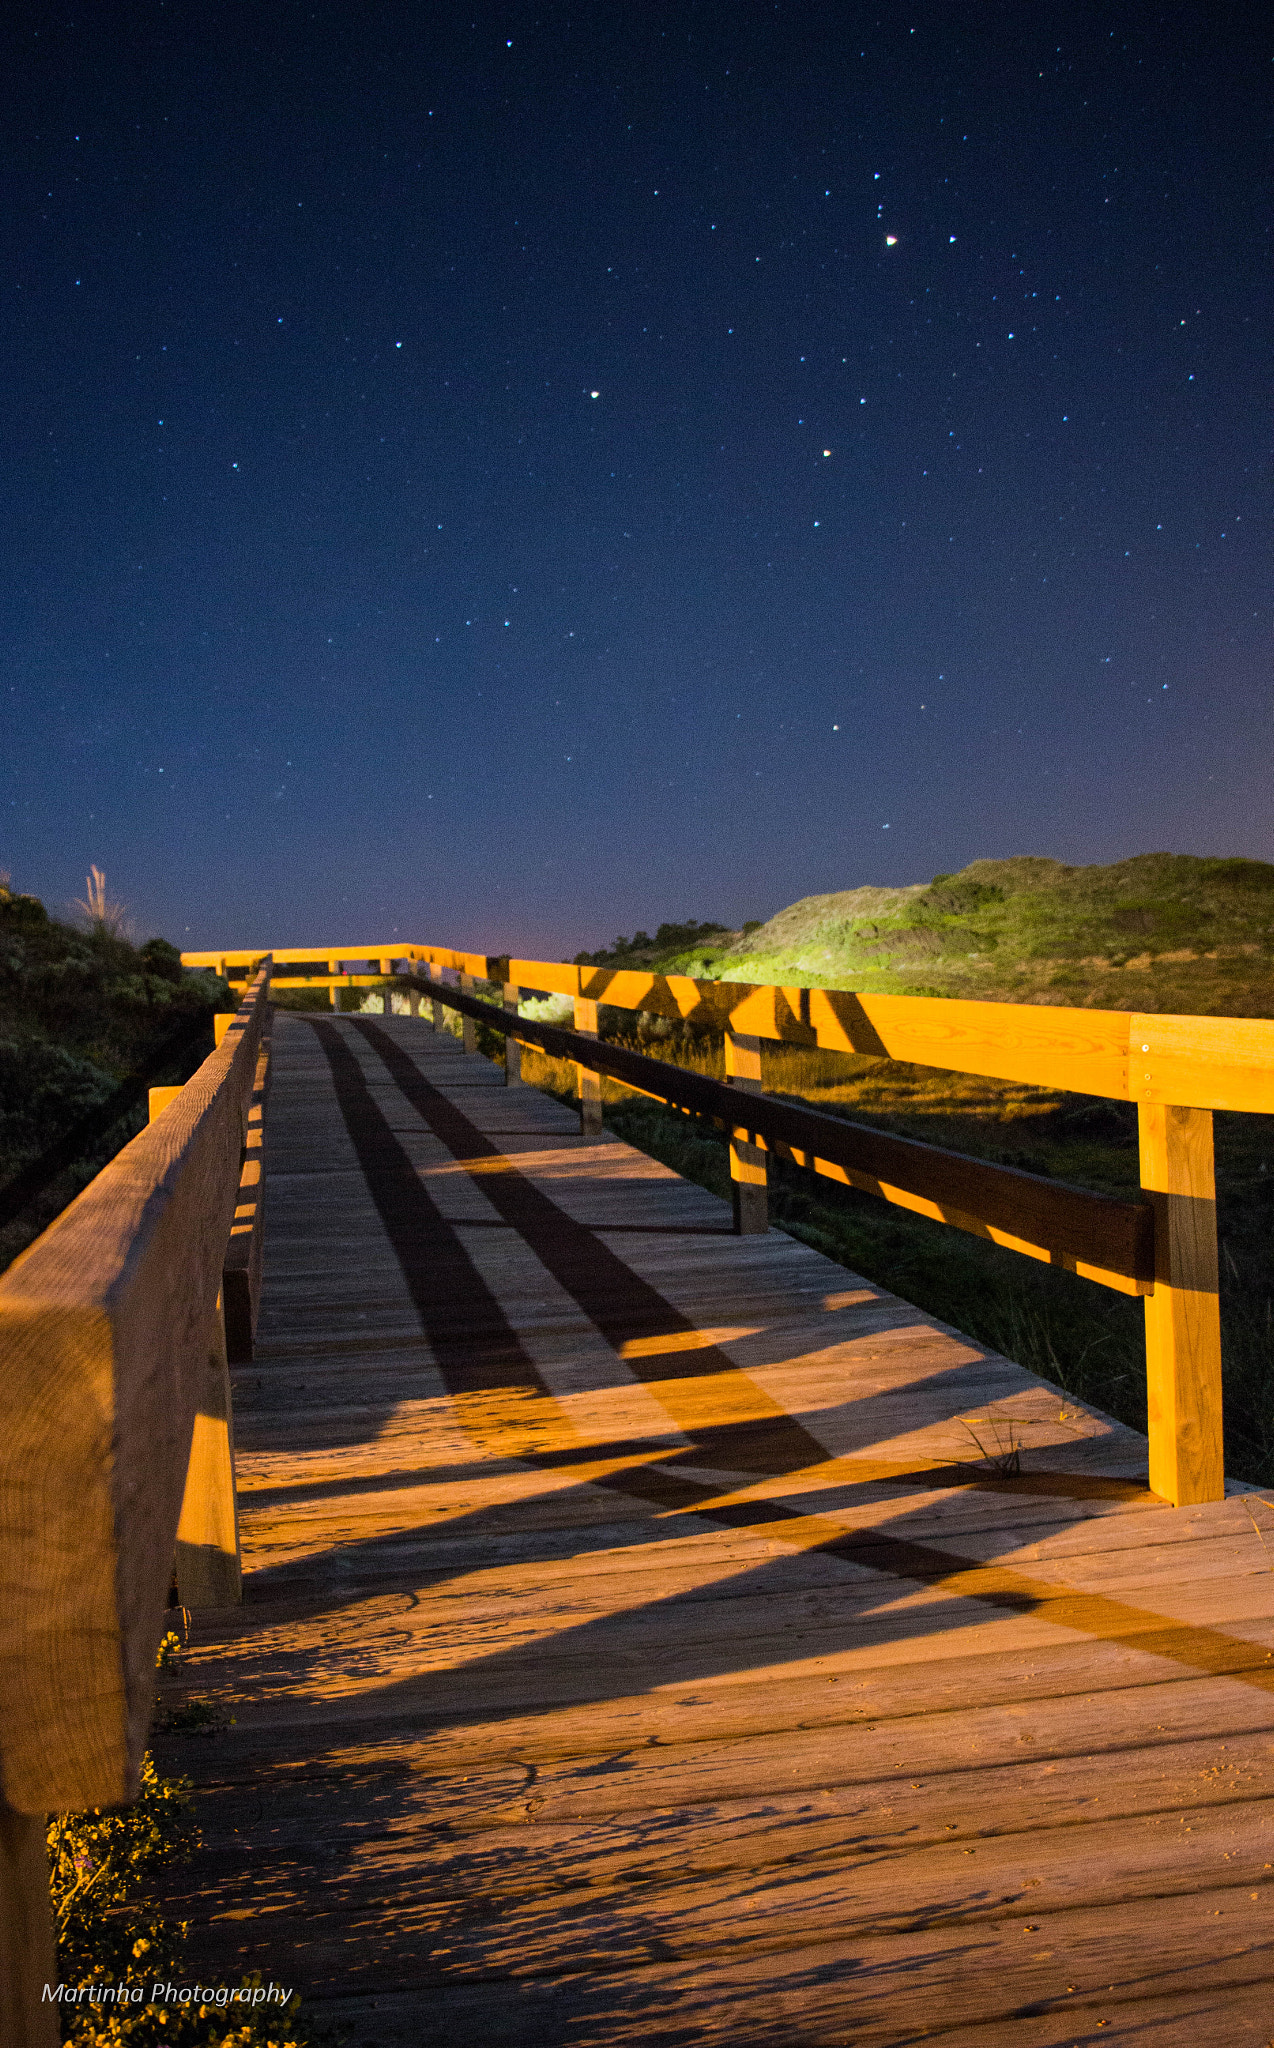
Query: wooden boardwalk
(636, 1647)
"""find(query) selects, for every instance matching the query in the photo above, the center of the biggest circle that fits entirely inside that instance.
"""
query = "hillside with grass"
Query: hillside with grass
(81, 1010)
(1163, 931)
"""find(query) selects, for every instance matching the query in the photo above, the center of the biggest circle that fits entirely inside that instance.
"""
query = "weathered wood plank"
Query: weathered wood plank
(1201, 1062)
(1183, 1314)
(28, 1968)
(639, 1645)
(104, 1326)
(241, 1274)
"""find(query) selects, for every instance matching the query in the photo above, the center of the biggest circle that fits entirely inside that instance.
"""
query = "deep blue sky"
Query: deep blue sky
(418, 512)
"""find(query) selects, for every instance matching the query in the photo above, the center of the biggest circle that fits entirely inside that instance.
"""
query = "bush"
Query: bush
(102, 1867)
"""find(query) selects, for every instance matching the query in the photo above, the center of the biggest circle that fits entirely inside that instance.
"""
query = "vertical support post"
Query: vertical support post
(590, 1084)
(334, 967)
(1183, 1320)
(469, 1026)
(512, 1050)
(209, 1571)
(435, 974)
(28, 1960)
(747, 1162)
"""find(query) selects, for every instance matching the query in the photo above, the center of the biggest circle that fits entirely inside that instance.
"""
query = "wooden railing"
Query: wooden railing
(116, 1457)
(1177, 1070)
(116, 1435)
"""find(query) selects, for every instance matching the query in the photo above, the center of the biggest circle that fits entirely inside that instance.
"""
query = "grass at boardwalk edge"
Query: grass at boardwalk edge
(103, 1864)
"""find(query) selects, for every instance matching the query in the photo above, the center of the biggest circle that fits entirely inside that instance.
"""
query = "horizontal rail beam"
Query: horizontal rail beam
(104, 1337)
(1125, 1055)
(1097, 1235)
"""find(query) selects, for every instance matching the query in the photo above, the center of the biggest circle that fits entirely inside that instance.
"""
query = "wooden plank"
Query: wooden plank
(103, 1322)
(1086, 1050)
(586, 1079)
(631, 1641)
(1068, 1226)
(1206, 1062)
(329, 957)
(747, 1162)
(208, 1565)
(28, 1964)
(1183, 1321)
(512, 1049)
(241, 1273)
(468, 1028)
(1211, 1063)
(962, 1219)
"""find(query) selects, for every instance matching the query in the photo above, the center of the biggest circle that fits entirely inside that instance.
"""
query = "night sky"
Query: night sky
(511, 476)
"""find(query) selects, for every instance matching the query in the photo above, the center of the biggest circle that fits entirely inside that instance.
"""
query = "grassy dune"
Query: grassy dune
(1163, 931)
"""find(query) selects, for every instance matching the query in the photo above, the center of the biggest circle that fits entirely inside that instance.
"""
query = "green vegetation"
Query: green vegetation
(103, 1867)
(672, 946)
(1163, 931)
(79, 1011)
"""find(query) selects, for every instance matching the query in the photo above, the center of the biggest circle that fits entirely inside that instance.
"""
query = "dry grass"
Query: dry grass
(104, 912)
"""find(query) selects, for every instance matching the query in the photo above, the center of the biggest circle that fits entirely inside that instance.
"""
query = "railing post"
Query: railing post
(590, 1084)
(469, 1026)
(1183, 1322)
(747, 1162)
(28, 1960)
(435, 974)
(512, 1050)
(209, 1572)
(241, 1269)
(334, 967)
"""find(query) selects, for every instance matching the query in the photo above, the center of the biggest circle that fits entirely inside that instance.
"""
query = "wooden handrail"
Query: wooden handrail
(1197, 1063)
(1177, 1069)
(1126, 1055)
(105, 1329)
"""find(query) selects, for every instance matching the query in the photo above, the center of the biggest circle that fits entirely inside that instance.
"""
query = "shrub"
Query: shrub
(102, 1867)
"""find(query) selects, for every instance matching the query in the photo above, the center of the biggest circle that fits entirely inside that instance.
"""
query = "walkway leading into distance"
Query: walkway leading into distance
(635, 1650)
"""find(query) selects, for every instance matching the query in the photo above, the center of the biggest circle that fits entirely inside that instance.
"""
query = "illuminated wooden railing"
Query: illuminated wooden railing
(1177, 1070)
(116, 1457)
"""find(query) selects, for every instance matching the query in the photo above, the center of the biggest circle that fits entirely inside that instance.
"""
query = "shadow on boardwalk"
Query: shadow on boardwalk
(631, 1651)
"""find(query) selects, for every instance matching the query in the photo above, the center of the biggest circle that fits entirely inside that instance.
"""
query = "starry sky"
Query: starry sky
(510, 476)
